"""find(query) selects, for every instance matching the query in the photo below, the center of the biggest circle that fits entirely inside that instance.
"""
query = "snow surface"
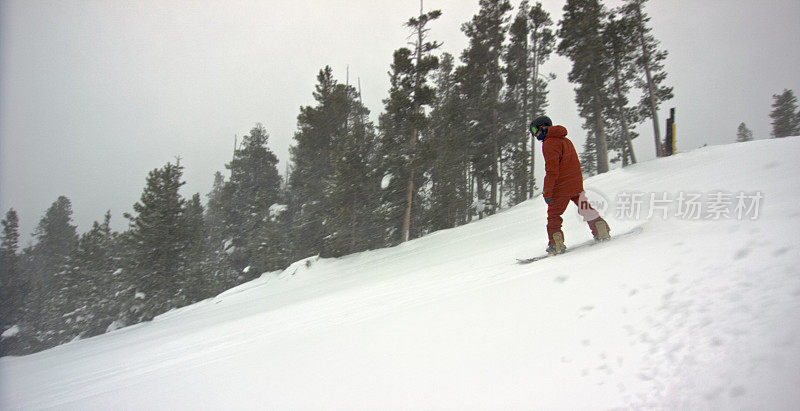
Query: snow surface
(688, 314)
(386, 180)
(276, 210)
(11, 332)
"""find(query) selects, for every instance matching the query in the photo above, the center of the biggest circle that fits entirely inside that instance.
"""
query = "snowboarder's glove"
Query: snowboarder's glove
(547, 200)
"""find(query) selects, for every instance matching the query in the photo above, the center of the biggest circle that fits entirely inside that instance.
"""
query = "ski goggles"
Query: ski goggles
(534, 129)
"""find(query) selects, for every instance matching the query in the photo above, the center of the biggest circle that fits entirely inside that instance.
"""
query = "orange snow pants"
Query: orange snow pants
(557, 207)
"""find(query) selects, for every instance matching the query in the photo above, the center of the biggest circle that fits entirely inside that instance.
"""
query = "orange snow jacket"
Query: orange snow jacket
(563, 177)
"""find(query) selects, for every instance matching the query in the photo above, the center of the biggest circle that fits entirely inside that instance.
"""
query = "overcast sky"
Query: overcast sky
(96, 93)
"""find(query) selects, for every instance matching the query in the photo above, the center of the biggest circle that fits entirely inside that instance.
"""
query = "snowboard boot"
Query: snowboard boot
(556, 244)
(600, 229)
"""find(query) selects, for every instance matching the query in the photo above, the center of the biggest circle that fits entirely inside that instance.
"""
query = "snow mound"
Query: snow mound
(11, 332)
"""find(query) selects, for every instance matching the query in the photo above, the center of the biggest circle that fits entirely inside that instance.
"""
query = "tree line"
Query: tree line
(451, 145)
(785, 117)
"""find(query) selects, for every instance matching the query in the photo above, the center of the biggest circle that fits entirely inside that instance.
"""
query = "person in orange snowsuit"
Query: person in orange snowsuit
(563, 182)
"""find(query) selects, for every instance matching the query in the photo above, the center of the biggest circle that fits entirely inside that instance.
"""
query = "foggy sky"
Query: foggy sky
(96, 93)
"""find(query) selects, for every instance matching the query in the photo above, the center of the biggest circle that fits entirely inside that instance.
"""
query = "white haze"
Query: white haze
(94, 94)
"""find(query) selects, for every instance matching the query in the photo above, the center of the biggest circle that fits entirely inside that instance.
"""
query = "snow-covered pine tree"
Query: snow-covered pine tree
(588, 156)
(218, 222)
(352, 223)
(255, 186)
(198, 279)
(51, 269)
(218, 214)
(619, 37)
(743, 134)
(410, 92)
(650, 60)
(531, 41)
(312, 167)
(157, 239)
(517, 100)
(542, 42)
(404, 151)
(395, 153)
(482, 82)
(449, 198)
(785, 117)
(94, 302)
(13, 286)
(580, 30)
(320, 223)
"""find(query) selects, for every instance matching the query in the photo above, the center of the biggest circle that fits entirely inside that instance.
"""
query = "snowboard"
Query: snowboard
(634, 231)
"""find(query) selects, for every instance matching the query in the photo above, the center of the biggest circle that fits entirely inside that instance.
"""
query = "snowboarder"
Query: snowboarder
(563, 182)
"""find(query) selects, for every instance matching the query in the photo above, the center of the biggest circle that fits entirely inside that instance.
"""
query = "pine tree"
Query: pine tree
(785, 117)
(94, 306)
(198, 277)
(650, 61)
(219, 213)
(581, 40)
(354, 186)
(588, 157)
(403, 150)
(13, 287)
(618, 35)
(329, 191)
(56, 236)
(531, 43)
(158, 240)
(255, 186)
(275, 249)
(218, 220)
(543, 42)
(618, 136)
(395, 152)
(481, 80)
(53, 275)
(449, 198)
(743, 134)
(412, 66)
(312, 167)
(517, 101)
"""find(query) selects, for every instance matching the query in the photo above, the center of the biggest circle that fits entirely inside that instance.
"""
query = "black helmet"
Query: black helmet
(542, 121)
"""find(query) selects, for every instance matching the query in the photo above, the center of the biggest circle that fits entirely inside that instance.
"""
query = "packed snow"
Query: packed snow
(698, 310)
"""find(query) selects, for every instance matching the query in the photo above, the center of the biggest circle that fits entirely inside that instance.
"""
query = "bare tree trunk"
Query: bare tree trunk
(528, 181)
(600, 140)
(407, 216)
(502, 181)
(628, 143)
(414, 137)
(471, 191)
(535, 88)
(524, 189)
(650, 87)
(353, 225)
(495, 159)
(623, 120)
(410, 193)
(533, 162)
(480, 193)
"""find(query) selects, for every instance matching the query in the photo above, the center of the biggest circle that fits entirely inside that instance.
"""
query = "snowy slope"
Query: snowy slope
(688, 314)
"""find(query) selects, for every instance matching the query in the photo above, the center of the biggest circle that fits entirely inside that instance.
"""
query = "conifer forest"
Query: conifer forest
(450, 146)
